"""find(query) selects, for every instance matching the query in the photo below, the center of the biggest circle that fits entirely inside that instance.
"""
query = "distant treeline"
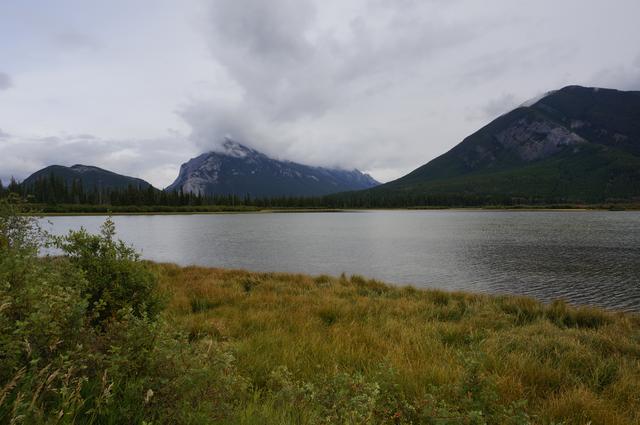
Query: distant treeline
(54, 190)
(54, 194)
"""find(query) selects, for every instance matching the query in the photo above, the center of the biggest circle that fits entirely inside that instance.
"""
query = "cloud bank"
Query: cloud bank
(5, 81)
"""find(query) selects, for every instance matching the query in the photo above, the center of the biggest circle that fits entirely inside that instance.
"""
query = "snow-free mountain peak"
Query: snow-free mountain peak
(90, 177)
(577, 144)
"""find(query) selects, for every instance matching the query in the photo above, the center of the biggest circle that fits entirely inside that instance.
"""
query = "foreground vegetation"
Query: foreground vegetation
(97, 336)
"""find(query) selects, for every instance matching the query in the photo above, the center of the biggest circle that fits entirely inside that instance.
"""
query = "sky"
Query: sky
(141, 86)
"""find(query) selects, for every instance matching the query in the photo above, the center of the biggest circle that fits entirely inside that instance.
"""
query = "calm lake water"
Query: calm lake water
(583, 257)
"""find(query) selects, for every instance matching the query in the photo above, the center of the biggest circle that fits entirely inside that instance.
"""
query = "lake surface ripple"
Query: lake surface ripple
(585, 257)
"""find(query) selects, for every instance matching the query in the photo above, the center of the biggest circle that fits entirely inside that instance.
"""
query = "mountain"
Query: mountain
(576, 144)
(240, 170)
(90, 177)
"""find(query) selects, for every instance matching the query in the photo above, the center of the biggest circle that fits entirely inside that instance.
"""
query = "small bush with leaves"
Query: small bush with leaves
(81, 341)
(118, 278)
(42, 325)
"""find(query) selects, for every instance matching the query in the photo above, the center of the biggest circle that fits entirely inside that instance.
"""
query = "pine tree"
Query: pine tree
(14, 187)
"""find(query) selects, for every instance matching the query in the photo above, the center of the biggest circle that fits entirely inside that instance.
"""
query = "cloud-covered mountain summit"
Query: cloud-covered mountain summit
(240, 170)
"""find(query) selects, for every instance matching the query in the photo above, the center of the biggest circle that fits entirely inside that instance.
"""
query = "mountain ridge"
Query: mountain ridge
(576, 144)
(89, 176)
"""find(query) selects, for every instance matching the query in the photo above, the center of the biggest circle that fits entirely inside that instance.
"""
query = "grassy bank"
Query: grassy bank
(314, 347)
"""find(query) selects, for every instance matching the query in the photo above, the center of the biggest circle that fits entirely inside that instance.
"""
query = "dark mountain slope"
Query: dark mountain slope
(576, 144)
(90, 177)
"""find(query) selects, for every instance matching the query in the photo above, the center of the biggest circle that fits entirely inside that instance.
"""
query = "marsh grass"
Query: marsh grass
(352, 350)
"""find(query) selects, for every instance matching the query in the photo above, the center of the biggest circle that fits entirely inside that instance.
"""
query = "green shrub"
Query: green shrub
(43, 327)
(118, 278)
(81, 341)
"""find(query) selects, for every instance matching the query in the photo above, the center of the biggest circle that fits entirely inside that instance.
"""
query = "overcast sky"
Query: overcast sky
(141, 86)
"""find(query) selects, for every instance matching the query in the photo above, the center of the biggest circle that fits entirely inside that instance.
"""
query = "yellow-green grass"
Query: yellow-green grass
(433, 349)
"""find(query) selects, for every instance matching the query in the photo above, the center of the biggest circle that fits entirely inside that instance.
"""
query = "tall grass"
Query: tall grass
(352, 350)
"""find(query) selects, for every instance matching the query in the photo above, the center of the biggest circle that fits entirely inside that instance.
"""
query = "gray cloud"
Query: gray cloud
(76, 41)
(211, 122)
(501, 105)
(521, 59)
(494, 107)
(626, 77)
(5, 81)
(289, 69)
(266, 51)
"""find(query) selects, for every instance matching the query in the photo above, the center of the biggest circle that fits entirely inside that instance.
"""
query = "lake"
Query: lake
(585, 257)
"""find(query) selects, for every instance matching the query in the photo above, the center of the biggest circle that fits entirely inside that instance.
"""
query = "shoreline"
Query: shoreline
(124, 213)
(390, 285)
(333, 210)
(104, 214)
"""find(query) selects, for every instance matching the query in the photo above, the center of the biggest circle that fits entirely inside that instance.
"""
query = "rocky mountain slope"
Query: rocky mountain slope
(576, 144)
(240, 170)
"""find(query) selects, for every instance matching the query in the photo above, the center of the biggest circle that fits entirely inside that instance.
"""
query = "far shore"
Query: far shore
(118, 211)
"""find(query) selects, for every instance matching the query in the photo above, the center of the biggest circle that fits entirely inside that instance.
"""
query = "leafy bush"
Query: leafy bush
(81, 340)
(42, 325)
(118, 278)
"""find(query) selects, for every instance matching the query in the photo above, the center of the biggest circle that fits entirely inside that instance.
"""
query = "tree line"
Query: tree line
(55, 190)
